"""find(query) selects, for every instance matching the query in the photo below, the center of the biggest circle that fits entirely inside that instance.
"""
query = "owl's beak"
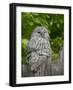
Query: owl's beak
(42, 35)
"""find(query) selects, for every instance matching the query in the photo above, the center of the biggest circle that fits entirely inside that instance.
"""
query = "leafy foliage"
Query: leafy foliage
(53, 22)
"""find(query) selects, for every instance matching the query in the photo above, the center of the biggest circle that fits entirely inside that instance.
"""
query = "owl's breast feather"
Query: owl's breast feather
(38, 45)
(42, 53)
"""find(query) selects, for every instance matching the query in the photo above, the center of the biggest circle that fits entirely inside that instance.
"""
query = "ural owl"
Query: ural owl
(39, 52)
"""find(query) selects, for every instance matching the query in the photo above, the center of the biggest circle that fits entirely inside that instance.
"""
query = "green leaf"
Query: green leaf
(24, 43)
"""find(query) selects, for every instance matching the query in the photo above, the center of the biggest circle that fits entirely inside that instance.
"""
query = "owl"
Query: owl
(39, 52)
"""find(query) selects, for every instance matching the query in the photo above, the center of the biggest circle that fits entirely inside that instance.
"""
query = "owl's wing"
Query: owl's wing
(33, 44)
(32, 47)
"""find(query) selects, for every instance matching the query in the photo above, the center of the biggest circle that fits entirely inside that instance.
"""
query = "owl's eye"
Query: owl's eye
(38, 32)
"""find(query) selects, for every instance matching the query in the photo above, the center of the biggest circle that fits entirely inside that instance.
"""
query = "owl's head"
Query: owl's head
(41, 32)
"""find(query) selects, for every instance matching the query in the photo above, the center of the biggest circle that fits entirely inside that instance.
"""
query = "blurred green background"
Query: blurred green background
(53, 22)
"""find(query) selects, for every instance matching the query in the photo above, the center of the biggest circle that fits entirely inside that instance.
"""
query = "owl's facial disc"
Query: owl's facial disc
(45, 35)
(41, 32)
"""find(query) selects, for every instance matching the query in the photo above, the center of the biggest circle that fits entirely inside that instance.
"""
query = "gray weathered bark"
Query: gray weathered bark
(58, 66)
